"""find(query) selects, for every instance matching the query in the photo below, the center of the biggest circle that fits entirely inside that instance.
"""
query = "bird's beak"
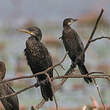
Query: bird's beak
(72, 21)
(75, 20)
(26, 31)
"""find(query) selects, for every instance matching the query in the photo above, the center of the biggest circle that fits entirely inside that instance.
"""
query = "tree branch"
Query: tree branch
(16, 93)
(93, 32)
(93, 40)
(68, 74)
(99, 93)
(52, 91)
(31, 76)
(57, 87)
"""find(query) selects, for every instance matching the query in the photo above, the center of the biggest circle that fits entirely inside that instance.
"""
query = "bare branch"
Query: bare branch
(40, 104)
(87, 45)
(97, 72)
(57, 87)
(93, 32)
(81, 76)
(26, 88)
(93, 40)
(99, 93)
(31, 76)
(69, 74)
(56, 72)
(52, 91)
(16, 93)
(62, 66)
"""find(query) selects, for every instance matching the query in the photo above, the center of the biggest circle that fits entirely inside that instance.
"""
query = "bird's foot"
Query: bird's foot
(73, 65)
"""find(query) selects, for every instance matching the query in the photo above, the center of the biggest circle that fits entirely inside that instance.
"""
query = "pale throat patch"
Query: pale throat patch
(69, 23)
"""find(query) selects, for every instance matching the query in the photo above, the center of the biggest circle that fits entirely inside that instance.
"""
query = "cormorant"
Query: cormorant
(2, 70)
(74, 46)
(9, 103)
(39, 59)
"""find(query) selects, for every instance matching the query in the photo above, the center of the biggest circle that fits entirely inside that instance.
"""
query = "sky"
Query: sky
(50, 9)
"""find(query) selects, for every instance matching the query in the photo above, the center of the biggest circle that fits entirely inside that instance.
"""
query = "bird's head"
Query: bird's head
(2, 70)
(68, 21)
(33, 31)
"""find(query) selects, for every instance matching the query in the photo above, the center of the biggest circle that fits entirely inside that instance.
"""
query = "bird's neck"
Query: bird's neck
(36, 38)
(66, 27)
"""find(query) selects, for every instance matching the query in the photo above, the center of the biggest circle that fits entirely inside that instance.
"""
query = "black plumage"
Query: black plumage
(9, 103)
(39, 59)
(74, 46)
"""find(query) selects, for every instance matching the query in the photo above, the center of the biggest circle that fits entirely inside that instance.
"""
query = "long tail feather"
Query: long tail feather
(84, 71)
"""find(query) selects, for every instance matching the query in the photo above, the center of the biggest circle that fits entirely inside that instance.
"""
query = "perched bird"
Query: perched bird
(2, 70)
(39, 59)
(74, 46)
(9, 103)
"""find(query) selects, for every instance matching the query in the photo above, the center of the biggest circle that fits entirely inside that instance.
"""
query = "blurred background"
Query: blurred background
(48, 15)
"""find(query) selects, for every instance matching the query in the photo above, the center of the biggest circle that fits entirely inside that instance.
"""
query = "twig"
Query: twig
(87, 45)
(4, 81)
(26, 88)
(56, 72)
(99, 38)
(81, 76)
(64, 78)
(69, 72)
(93, 32)
(40, 104)
(62, 66)
(99, 93)
(52, 91)
(98, 72)
(57, 87)
(16, 93)
(31, 76)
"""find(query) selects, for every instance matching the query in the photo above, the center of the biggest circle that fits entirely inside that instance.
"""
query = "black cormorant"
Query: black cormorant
(2, 70)
(38, 59)
(74, 46)
(9, 103)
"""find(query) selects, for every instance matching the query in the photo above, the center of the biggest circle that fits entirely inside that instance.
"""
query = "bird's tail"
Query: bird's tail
(84, 71)
(46, 90)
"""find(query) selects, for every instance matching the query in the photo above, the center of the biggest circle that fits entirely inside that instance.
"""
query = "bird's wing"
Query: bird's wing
(80, 46)
(48, 61)
(73, 44)
(14, 99)
(34, 47)
(38, 49)
(39, 52)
